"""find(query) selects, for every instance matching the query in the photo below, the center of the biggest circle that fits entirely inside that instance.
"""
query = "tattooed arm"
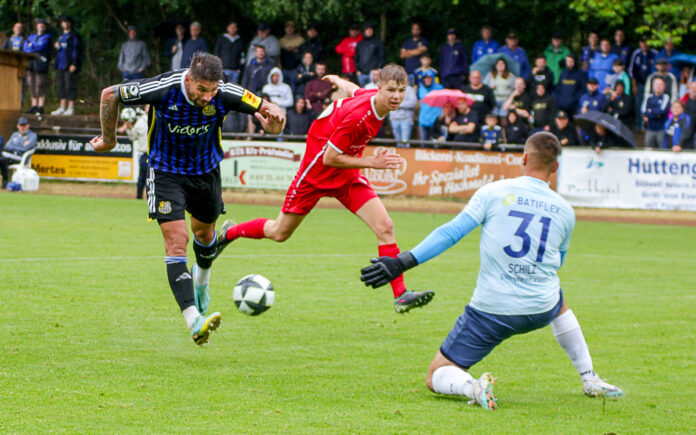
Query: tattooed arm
(108, 115)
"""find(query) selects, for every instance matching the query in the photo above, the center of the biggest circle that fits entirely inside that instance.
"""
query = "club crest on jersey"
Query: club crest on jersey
(509, 199)
(165, 207)
(251, 99)
(129, 91)
(209, 110)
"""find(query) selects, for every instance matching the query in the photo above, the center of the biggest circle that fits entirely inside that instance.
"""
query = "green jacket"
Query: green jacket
(554, 59)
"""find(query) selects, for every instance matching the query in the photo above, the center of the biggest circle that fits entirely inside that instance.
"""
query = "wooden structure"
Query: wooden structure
(13, 66)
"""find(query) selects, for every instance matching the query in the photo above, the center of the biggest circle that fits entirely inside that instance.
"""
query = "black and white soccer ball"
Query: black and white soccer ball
(253, 295)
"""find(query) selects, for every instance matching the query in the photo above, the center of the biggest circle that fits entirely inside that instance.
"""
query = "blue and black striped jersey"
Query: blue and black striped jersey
(184, 138)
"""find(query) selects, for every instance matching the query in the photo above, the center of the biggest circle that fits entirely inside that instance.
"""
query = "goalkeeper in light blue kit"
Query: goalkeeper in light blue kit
(525, 234)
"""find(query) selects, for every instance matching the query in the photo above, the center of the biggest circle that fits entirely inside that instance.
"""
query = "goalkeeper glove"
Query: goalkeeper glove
(386, 269)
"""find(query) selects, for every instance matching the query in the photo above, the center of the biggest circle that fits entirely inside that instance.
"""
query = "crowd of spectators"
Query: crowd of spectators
(508, 97)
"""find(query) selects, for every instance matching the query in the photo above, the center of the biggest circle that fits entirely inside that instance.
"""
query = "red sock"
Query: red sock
(250, 230)
(398, 286)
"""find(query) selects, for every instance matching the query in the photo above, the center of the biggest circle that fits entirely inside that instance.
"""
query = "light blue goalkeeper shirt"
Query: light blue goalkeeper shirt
(526, 230)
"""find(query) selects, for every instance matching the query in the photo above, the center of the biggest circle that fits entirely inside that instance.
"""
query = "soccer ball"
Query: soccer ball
(253, 295)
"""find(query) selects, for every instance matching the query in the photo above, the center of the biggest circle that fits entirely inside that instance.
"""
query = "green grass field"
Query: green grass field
(92, 340)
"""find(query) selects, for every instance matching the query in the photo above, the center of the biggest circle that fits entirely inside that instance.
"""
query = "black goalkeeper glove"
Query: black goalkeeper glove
(385, 269)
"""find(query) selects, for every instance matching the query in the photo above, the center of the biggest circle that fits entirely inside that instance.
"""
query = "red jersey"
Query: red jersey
(347, 126)
(346, 48)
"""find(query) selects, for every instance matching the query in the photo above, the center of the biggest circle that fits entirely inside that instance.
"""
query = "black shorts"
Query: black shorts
(169, 195)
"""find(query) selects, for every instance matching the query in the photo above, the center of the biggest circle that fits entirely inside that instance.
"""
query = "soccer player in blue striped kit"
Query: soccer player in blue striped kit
(187, 111)
(525, 235)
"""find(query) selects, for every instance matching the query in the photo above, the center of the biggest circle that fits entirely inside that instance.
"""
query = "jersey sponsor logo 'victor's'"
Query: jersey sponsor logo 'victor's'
(188, 129)
(251, 99)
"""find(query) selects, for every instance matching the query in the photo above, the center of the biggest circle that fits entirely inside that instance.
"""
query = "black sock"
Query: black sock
(204, 254)
(181, 282)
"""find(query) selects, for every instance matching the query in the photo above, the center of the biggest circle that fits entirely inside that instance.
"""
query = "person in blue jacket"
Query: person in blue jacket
(15, 41)
(40, 44)
(485, 45)
(655, 110)
(453, 61)
(602, 64)
(68, 56)
(512, 49)
(571, 85)
(592, 99)
(427, 114)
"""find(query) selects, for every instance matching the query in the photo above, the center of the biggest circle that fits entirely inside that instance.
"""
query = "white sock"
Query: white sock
(190, 315)
(453, 380)
(202, 276)
(568, 334)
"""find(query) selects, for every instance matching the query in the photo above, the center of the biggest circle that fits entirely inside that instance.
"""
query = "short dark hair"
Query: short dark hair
(543, 149)
(394, 72)
(206, 66)
(618, 62)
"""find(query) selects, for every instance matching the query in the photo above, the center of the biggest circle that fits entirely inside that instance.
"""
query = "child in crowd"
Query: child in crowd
(619, 75)
(516, 129)
(676, 126)
(419, 73)
(491, 133)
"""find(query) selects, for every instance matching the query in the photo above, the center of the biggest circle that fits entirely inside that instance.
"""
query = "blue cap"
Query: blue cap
(429, 73)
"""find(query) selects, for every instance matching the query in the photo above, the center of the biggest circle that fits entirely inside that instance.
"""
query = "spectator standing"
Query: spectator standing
(669, 50)
(229, 47)
(40, 44)
(369, 54)
(374, 80)
(502, 82)
(620, 48)
(655, 110)
(303, 73)
(312, 44)
(269, 42)
(602, 64)
(134, 57)
(589, 51)
(689, 101)
(299, 118)
(277, 91)
(425, 62)
(289, 49)
(135, 126)
(256, 72)
(555, 55)
(427, 114)
(491, 133)
(465, 125)
(193, 45)
(620, 106)
(544, 109)
(68, 62)
(519, 101)
(512, 49)
(678, 124)
(485, 45)
(440, 130)
(453, 62)
(516, 129)
(592, 99)
(20, 142)
(174, 47)
(16, 40)
(318, 91)
(541, 74)
(641, 66)
(346, 48)
(564, 129)
(411, 51)
(671, 86)
(484, 98)
(401, 119)
(618, 74)
(571, 85)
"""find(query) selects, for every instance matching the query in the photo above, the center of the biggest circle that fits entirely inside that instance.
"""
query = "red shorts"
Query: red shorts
(352, 195)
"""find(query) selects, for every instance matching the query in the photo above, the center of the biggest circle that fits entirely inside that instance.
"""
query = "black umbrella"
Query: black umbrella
(587, 121)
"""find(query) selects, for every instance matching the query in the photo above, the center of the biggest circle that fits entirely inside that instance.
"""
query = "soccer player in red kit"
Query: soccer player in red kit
(331, 167)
